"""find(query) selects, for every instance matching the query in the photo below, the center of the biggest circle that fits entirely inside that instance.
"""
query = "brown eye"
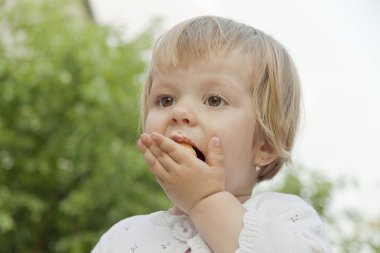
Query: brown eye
(166, 101)
(215, 101)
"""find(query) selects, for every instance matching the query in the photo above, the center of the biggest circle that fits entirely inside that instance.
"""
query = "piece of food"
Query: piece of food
(190, 148)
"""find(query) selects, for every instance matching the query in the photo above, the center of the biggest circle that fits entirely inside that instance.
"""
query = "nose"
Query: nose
(183, 115)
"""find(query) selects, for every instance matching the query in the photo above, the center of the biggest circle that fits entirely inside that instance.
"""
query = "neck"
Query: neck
(243, 198)
(176, 211)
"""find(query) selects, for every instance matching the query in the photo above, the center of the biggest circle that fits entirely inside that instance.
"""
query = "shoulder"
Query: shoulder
(275, 204)
(282, 216)
(289, 210)
(286, 209)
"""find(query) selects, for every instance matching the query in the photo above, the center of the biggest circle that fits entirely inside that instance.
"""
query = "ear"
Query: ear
(264, 154)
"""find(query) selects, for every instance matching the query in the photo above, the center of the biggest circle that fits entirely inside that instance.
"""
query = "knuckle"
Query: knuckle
(170, 149)
(154, 165)
(160, 154)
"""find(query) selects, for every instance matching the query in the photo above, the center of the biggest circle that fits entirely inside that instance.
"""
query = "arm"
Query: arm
(219, 220)
(197, 189)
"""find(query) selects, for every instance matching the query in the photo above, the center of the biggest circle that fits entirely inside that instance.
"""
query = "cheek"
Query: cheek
(153, 122)
(239, 164)
(239, 151)
(239, 145)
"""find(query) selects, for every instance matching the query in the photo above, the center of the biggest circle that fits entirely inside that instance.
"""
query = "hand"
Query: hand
(185, 179)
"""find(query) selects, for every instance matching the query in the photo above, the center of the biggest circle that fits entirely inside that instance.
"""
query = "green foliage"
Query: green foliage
(69, 168)
(357, 233)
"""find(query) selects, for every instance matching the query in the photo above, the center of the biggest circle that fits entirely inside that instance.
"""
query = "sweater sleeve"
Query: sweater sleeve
(276, 222)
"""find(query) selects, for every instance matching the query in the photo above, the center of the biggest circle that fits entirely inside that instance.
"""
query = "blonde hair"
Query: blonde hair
(275, 84)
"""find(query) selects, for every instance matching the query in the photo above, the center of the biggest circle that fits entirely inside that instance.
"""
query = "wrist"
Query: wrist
(211, 202)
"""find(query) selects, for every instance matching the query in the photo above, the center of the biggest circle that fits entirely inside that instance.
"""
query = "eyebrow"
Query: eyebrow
(222, 81)
(213, 80)
(163, 85)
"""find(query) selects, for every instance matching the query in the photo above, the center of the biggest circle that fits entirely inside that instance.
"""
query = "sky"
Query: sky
(335, 46)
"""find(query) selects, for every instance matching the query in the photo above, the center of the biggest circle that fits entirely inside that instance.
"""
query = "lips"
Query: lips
(185, 140)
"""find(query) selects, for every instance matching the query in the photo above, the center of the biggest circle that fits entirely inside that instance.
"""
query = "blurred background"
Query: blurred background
(70, 76)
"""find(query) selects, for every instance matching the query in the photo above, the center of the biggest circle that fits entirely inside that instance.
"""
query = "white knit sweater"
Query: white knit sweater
(273, 223)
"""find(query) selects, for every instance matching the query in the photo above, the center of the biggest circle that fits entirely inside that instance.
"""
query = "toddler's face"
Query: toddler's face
(209, 98)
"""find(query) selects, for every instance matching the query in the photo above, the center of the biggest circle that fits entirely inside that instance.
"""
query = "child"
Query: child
(230, 94)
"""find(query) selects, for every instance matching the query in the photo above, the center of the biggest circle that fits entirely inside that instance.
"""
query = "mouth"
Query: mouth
(190, 145)
(200, 155)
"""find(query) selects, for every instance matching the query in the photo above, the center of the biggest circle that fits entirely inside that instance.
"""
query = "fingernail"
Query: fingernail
(154, 136)
(143, 138)
(216, 141)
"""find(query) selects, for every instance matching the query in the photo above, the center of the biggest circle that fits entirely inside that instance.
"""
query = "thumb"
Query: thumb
(215, 157)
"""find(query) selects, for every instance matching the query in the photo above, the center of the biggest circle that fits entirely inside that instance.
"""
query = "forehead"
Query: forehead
(218, 68)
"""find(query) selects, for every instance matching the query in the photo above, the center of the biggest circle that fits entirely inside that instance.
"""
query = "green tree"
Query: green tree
(69, 167)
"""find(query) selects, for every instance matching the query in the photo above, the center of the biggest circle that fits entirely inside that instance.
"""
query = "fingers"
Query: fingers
(144, 144)
(168, 150)
(215, 156)
(158, 158)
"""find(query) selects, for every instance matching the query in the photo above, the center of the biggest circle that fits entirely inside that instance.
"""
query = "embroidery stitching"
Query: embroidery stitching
(295, 218)
(133, 249)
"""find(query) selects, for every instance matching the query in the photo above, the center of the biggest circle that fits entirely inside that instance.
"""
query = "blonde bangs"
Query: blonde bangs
(191, 41)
